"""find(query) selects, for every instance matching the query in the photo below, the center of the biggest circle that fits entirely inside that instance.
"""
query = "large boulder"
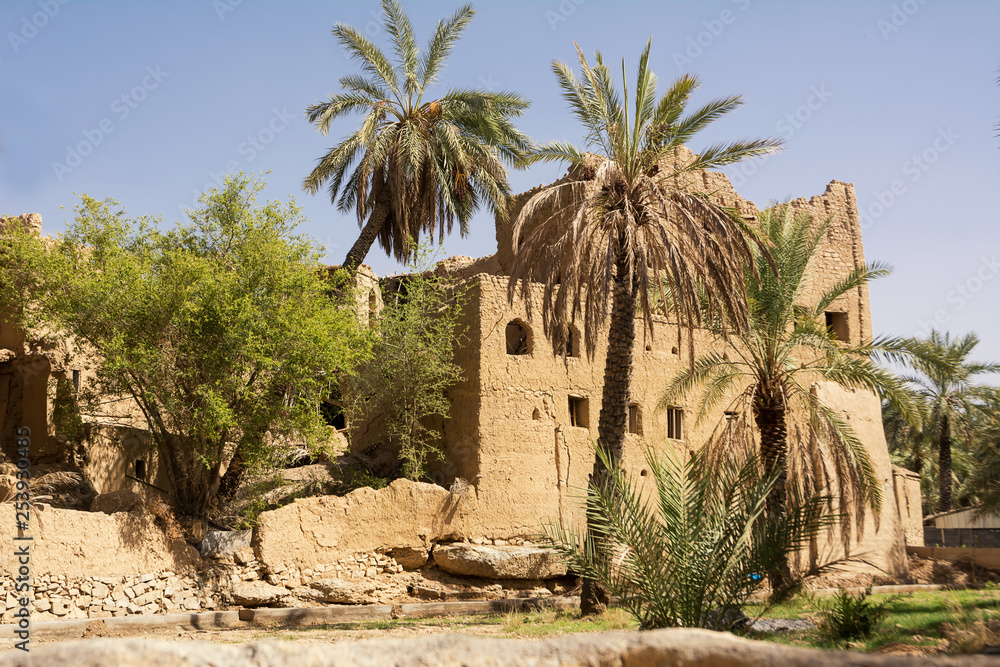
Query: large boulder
(344, 591)
(117, 501)
(410, 558)
(220, 543)
(324, 529)
(257, 594)
(499, 562)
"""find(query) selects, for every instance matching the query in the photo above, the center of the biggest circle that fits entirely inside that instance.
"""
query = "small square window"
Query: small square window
(675, 423)
(634, 419)
(571, 347)
(579, 412)
(837, 323)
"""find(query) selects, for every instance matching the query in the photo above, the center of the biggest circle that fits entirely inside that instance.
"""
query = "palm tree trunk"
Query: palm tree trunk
(769, 413)
(944, 466)
(356, 255)
(613, 422)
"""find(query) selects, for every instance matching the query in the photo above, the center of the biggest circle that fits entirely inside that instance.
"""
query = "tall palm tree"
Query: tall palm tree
(984, 481)
(417, 165)
(944, 381)
(627, 221)
(787, 346)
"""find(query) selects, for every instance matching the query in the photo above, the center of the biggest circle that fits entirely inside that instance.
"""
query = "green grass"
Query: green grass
(551, 622)
(934, 622)
(915, 620)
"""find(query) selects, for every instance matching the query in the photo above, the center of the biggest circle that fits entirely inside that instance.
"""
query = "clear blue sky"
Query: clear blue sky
(898, 97)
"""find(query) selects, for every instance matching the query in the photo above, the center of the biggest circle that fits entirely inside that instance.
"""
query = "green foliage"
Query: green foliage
(688, 550)
(851, 616)
(357, 478)
(401, 389)
(956, 412)
(786, 347)
(220, 331)
(414, 166)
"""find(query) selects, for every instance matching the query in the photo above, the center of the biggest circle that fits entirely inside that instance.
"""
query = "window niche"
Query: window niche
(579, 412)
(634, 419)
(836, 322)
(675, 423)
(518, 338)
(571, 344)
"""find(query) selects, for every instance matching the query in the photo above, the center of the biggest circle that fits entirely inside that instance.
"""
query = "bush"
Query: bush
(400, 392)
(689, 551)
(854, 617)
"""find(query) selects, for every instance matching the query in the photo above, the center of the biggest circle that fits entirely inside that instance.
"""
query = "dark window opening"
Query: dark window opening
(372, 307)
(579, 412)
(333, 414)
(536, 415)
(675, 423)
(837, 324)
(571, 346)
(77, 376)
(634, 419)
(140, 470)
(518, 340)
(673, 350)
(332, 410)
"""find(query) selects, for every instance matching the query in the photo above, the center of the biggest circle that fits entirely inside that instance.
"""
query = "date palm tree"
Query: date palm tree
(984, 481)
(627, 220)
(415, 165)
(787, 345)
(944, 381)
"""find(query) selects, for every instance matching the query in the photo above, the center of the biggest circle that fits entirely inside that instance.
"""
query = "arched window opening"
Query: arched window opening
(518, 338)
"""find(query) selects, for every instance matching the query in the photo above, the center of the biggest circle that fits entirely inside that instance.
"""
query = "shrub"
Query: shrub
(400, 392)
(689, 551)
(851, 616)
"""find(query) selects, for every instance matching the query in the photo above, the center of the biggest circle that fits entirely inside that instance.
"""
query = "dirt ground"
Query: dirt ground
(317, 635)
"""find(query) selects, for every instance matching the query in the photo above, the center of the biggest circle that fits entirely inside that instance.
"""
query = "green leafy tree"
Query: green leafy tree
(944, 380)
(787, 346)
(401, 390)
(420, 164)
(220, 331)
(689, 551)
(629, 219)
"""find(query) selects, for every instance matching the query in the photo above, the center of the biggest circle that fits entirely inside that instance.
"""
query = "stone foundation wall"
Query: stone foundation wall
(215, 587)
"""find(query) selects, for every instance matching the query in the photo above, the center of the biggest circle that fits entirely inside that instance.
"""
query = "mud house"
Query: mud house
(524, 418)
